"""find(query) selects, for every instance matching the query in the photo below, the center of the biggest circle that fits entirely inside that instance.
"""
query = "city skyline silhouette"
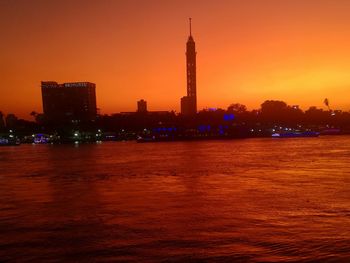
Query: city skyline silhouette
(247, 53)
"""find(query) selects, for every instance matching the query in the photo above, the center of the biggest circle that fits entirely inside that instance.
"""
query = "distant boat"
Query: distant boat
(145, 139)
(9, 142)
(41, 138)
(331, 131)
(295, 134)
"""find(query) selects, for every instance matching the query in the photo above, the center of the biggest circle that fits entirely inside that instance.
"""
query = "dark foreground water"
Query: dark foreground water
(214, 201)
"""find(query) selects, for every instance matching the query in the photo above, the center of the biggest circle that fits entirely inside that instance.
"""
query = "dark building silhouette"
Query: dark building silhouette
(11, 121)
(186, 105)
(2, 122)
(189, 102)
(73, 102)
(142, 106)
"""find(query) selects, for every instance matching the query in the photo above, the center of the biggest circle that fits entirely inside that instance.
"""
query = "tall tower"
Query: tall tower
(189, 103)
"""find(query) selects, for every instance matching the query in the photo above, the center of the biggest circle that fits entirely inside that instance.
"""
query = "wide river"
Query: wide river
(208, 201)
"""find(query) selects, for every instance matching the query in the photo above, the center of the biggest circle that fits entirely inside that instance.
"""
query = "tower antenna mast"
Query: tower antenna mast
(190, 26)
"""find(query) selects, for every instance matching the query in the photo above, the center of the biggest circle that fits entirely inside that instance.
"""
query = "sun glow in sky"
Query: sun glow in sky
(248, 51)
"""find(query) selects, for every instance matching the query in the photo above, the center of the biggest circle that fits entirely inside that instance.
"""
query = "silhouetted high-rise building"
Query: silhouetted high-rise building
(142, 106)
(74, 102)
(189, 103)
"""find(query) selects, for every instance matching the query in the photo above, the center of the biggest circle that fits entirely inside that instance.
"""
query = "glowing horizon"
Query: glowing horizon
(247, 52)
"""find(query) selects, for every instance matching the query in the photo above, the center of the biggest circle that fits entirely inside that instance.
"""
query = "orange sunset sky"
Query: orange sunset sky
(247, 51)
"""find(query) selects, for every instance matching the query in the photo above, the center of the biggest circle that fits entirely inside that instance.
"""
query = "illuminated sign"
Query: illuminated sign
(76, 84)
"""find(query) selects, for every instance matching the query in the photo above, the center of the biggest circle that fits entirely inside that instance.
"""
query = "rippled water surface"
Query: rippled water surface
(214, 201)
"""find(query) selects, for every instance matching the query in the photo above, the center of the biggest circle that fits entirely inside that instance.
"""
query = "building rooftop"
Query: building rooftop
(54, 84)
